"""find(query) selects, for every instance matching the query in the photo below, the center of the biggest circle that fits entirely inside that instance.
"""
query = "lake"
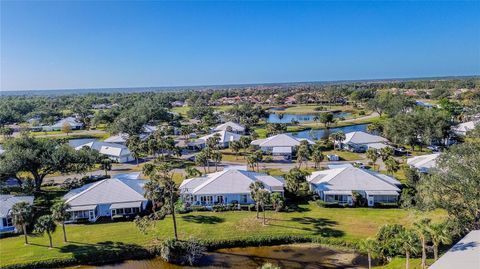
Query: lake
(286, 256)
(288, 118)
(317, 134)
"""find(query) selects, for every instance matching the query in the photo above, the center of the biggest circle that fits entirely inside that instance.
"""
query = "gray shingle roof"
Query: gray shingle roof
(235, 127)
(280, 140)
(360, 137)
(7, 201)
(229, 181)
(424, 162)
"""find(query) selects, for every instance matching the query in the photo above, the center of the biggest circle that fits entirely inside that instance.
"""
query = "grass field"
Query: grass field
(349, 224)
(182, 110)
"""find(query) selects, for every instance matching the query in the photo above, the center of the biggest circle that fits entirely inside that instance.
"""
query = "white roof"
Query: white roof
(235, 127)
(360, 137)
(110, 149)
(378, 146)
(126, 205)
(424, 162)
(229, 181)
(107, 191)
(119, 138)
(7, 201)
(462, 128)
(224, 137)
(69, 120)
(280, 140)
(465, 254)
(352, 179)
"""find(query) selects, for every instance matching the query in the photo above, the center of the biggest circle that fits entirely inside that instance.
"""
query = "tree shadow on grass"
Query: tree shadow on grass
(321, 226)
(104, 252)
(203, 219)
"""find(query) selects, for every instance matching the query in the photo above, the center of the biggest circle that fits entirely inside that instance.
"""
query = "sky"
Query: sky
(107, 44)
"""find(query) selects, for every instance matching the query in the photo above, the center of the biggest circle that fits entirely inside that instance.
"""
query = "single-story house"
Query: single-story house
(6, 204)
(465, 254)
(116, 152)
(361, 141)
(338, 185)
(280, 145)
(423, 163)
(225, 139)
(122, 195)
(230, 126)
(72, 121)
(230, 186)
(463, 128)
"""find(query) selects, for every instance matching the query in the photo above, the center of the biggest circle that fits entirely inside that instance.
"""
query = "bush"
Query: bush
(386, 205)
(198, 208)
(322, 203)
(181, 252)
(361, 113)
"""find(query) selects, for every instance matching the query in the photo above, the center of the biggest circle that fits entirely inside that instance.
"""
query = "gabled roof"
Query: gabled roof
(230, 181)
(224, 137)
(466, 126)
(424, 162)
(110, 149)
(119, 138)
(69, 120)
(352, 179)
(235, 127)
(360, 137)
(7, 201)
(280, 140)
(107, 191)
(464, 254)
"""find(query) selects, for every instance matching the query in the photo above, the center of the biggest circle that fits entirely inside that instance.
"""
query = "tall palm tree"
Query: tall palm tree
(46, 224)
(60, 214)
(337, 138)
(439, 234)
(235, 146)
(371, 247)
(106, 165)
(422, 228)
(408, 242)
(255, 188)
(22, 214)
(317, 157)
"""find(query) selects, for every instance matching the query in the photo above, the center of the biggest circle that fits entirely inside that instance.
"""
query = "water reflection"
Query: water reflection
(321, 133)
(288, 118)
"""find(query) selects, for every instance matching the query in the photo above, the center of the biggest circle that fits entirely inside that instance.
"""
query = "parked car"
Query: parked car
(434, 148)
(333, 157)
(359, 165)
(400, 151)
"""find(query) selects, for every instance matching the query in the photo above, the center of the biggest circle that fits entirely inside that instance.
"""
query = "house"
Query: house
(230, 126)
(177, 103)
(71, 121)
(225, 139)
(361, 141)
(6, 204)
(463, 128)
(122, 195)
(423, 163)
(116, 152)
(465, 254)
(122, 138)
(280, 145)
(230, 186)
(339, 184)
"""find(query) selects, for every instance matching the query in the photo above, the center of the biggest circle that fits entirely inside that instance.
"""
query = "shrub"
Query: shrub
(322, 203)
(361, 113)
(181, 252)
(386, 205)
(198, 208)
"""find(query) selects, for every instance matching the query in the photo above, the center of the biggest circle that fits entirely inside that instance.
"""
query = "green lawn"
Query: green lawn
(183, 109)
(349, 224)
(345, 155)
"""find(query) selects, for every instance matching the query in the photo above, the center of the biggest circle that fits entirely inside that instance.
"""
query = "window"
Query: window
(7, 222)
(220, 199)
(120, 211)
(136, 210)
(243, 198)
(128, 210)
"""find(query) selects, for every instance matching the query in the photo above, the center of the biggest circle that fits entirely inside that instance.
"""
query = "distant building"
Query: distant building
(465, 254)
(230, 186)
(465, 127)
(116, 152)
(177, 103)
(6, 204)
(361, 141)
(71, 121)
(281, 144)
(423, 163)
(337, 185)
(122, 195)
(230, 127)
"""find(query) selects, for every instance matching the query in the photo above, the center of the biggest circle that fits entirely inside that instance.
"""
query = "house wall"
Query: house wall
(4, 227)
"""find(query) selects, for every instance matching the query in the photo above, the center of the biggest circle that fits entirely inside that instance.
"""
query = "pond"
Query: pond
(317, 134)
(286, 256)
(288, 118)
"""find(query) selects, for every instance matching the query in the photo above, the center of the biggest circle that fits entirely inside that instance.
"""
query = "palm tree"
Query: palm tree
(255, 187)
(371, 247)
(22, 214)
(60, 214)
(439, 234)
(201, 159)
(46, 224)
(252, 161)
(372, 154)
(337, 138)
(386, 153)
(263, 197)
(422, 230)
(235, 146)
(217, 158)
(408, 242)
(106, 165)
(392, 165)
(317, 156)
(303, 153)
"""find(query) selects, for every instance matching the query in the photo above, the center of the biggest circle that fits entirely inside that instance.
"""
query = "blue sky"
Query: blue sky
(55, 45)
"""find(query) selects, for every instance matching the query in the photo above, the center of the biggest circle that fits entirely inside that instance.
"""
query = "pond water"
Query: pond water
(288, 118)
(317, 134)
(286, 256)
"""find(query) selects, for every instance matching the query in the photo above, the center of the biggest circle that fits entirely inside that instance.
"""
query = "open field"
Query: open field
(349, 224)
(182, 110)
